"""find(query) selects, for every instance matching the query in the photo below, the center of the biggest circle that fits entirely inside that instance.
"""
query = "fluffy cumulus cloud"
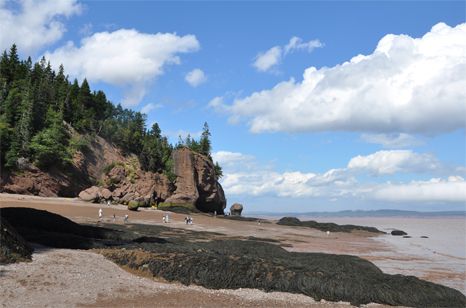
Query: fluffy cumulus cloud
(409, 85)
(267, 61)
(124, 58)
(243, 175)
(32, 25)
(393, 140)
(196, 77)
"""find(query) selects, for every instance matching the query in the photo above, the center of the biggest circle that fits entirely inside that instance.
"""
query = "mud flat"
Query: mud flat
(233, 254)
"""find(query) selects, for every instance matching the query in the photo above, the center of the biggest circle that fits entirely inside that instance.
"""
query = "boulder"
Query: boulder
(236, 209)
(133, 205)
(13, 247)
(119, 173)
(107, 194)
(399, 232)
(91, 194)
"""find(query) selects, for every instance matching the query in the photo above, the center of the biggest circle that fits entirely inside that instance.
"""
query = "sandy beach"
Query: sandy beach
(62, 277)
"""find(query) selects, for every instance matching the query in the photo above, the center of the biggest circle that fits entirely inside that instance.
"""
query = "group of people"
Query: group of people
(114, 216)
(188, 220)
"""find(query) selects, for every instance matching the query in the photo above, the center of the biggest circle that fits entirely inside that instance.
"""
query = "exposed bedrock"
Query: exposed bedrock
(196, 183)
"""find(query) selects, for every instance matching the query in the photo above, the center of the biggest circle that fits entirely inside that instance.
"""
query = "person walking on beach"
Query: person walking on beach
(100, 214)
(113, 216)
(163, 218)
(108, 203)
(187, 219)
(166, 218)
(126, 217)
(215, 214)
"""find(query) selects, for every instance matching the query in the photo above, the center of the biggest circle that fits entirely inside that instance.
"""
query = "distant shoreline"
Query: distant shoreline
(367, 214)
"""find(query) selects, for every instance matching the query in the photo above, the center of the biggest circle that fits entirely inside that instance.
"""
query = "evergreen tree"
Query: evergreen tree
(205, 141)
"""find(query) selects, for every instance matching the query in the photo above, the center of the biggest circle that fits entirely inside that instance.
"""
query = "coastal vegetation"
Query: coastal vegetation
(45, 118)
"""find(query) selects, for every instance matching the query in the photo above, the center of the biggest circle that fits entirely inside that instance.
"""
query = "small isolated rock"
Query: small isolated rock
(399, 232)
(133, 205)
(236, 209)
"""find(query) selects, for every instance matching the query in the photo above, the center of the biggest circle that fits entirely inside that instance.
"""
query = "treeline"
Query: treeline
(40, 109)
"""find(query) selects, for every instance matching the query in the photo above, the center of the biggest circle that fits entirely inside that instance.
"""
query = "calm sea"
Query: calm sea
(444, 249)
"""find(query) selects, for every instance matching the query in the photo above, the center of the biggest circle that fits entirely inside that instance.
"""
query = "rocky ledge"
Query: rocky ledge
(324, 226)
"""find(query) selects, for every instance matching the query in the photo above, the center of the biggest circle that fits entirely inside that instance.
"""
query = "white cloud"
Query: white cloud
(435, 190)
(268, 59)
(415, 86)
(243, 175)
(147, 108)
(35, 24)
(393, 140)
(123, 58)
(295, 43)
(405, 161)
(196, 77)
(266, 62)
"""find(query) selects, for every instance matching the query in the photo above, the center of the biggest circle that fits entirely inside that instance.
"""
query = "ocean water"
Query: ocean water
(445, 236)
(444, 249)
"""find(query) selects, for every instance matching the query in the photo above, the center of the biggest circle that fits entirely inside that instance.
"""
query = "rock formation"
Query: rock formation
(196, 183)
(13, 247)
(236, 209)
(398, 232)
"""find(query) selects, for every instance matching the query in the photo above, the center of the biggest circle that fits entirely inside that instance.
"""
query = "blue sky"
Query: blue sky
(312, 105)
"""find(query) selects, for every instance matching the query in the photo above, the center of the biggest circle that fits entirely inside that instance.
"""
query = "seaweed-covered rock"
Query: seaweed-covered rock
(232, 264)
(399, 232)
(13, 247)
(324, 226)
(133, 205)
(49, 229)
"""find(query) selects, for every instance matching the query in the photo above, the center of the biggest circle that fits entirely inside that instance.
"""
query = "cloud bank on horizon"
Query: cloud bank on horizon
(246, 177)
(410, 85)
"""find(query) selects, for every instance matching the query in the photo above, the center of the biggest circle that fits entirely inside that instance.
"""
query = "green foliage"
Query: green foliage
(40, 109)
(218, 171)
(108, 168)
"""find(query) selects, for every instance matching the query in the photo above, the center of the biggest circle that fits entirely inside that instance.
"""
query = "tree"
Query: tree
(205, 141)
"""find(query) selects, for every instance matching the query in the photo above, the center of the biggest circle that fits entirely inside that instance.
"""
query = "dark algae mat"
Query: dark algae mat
(217, 261)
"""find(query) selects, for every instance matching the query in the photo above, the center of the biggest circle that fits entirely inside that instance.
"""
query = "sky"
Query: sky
(312, 106)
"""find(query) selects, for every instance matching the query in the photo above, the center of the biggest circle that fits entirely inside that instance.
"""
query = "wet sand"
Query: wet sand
(359, 243)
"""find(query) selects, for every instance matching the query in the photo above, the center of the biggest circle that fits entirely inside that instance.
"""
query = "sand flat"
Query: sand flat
(359, 243)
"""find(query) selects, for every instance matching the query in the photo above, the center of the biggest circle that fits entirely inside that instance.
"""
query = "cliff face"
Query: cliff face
(196, 185)
(87, 168)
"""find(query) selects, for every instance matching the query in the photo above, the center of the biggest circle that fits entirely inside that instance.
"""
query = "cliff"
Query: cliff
(196, 185)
